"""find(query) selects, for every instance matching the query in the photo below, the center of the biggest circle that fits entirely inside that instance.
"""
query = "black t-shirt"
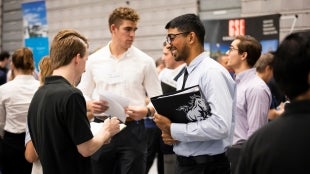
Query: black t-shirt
(282, 146)
(57, 124)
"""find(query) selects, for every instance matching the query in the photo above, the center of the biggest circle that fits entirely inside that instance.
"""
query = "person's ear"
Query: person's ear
(191, 36)
(77, 58)
(112, 28)
(244, 55)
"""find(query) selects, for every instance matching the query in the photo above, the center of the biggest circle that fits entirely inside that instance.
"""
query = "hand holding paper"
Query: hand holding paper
(98, 107)
(116, 105)
(95, 127)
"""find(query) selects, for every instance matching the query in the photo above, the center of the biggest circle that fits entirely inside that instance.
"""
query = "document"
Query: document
(116, 103)
(95, 127)
(183, 106)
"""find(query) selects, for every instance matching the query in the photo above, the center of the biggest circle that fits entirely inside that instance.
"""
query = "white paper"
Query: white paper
(95, 127)
(189, 90)
(117, 105)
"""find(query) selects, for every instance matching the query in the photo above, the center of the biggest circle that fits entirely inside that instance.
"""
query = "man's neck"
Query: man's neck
(66, 73)
(242, 67)
(116, 50)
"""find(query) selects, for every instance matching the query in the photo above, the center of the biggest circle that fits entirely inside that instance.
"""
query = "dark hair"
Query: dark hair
(292, 64)
(4, 55)
(188, 23)
(250, 45)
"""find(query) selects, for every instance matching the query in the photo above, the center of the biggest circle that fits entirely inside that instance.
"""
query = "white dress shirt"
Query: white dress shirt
(168, 75)
(133, 76)
(15, 97)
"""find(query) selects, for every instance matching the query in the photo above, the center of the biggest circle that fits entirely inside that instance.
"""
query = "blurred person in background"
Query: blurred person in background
(282, 146)
(264, 69)
(15, 98)
(4, 63)
(253, 97)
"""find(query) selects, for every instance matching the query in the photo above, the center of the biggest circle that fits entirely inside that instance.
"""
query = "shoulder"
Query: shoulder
(139, 54)
(256, 84)
(7, 86)
(99, 53)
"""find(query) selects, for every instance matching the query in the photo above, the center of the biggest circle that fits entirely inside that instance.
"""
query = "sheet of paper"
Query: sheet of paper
(185, 91)
(116, 105)
(95, 127)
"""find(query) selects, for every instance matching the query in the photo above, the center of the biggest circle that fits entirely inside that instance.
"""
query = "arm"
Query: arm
(219, 93)
(274, 113)
(2, 116)
(153, 88)
(30, 152)
(258, 107)
(110, 128)
(164, 125)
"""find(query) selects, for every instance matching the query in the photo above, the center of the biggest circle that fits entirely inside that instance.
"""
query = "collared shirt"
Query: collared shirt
(133, 76)
(168, 75)
(15, 97)
(253, 99)
(212, 135)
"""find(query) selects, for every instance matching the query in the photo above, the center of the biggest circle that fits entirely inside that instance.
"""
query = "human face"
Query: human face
(234, 58)
(179, 47)
(167, 57)
(124, 34)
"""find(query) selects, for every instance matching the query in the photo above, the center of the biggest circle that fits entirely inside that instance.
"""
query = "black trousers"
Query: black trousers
(153, 147)
(204, 164)
(13, 154)
(233, 154)
(125, 154)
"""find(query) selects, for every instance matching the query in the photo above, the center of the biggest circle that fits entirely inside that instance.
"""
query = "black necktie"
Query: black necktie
(185, 77)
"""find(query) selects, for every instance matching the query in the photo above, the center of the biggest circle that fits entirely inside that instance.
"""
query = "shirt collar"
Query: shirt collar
(244, 74)
(196, 61)
(125, 54)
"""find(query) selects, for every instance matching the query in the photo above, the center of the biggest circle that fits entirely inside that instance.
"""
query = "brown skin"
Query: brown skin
(184, 48)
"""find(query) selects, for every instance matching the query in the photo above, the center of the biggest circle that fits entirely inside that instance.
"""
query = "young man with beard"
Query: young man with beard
(200, 144)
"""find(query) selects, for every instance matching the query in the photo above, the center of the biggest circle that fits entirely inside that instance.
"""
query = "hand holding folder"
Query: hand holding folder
(183, 106)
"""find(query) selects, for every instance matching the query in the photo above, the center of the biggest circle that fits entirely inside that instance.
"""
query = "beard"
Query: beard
(181, 55)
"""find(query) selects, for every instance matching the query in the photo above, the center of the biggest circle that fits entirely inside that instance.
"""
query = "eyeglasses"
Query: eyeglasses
(171, 37)
(232, 49)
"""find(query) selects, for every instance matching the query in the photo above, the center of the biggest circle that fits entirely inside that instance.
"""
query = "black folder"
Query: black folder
(182, 106)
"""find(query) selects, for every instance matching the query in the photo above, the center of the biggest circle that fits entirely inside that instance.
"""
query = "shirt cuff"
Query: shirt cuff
(178, 131)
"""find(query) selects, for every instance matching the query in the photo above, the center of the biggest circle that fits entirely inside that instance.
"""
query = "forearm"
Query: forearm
(88, 148)
(30, 153)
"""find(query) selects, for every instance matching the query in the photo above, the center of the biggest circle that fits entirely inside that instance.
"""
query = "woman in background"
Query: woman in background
(15, 97)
